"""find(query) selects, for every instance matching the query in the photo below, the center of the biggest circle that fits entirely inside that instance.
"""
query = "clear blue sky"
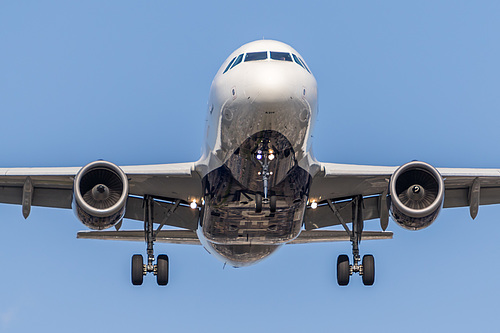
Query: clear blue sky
(128, 81)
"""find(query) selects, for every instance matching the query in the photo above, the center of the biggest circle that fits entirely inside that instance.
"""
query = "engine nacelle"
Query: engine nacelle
(417, 195)
(100, 192)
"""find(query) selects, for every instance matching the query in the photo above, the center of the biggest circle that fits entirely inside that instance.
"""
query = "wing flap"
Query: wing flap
(164, 236)
(323, 236)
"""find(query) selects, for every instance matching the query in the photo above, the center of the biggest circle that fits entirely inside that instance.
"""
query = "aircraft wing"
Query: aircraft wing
(53, 187)
(340, 182)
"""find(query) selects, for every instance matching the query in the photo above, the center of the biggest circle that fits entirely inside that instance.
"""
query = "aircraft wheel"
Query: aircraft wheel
(258, 202)
(137, 270)
(343, 270)
(162, 270)
(368, 270)
(272, 203)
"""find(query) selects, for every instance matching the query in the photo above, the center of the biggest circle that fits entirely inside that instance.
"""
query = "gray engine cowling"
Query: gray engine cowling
(100, 192)
(417, 195)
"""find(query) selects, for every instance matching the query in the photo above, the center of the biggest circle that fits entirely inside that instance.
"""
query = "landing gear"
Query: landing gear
(368, 270)
(272, 204)
(259, 201)
(343, 270)
(265, 156)
(367, 267)
(137, 270)
(160, 269)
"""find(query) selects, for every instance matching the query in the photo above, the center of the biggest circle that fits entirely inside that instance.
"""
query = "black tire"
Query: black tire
(343, 270)
(162, 270)
(258, 202)
(137, 270)
(368, 270)
(272, 204)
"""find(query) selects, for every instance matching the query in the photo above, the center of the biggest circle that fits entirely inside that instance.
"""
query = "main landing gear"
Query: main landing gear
(367, 267)
(160, 269)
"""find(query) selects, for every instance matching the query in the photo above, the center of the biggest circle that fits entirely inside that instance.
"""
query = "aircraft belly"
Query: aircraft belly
(230, 222)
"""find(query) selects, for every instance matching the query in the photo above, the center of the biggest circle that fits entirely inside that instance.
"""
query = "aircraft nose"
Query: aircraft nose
(271, 84)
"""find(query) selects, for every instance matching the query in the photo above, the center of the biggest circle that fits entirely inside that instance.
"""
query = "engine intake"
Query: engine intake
(417, 195)
(100, 195)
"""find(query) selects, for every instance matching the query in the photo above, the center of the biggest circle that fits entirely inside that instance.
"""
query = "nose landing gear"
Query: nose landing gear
(265, 156)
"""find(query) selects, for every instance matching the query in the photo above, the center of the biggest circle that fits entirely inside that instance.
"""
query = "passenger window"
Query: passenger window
(228, 66)
(297, 60)
(283, 56)
(253, 56)
(237, 61)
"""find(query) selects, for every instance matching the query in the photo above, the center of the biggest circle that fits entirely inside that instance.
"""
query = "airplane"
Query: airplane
(257, 185)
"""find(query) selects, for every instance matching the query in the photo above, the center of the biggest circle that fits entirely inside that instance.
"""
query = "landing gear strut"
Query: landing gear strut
(367, 267)
(265, 156)
(160, 269)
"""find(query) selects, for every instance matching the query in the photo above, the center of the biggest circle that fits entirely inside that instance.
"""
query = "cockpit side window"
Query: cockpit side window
(297, 60)
(237, 61)
(253, 56)
(300, 62)
(229, 65)
(283, 56)
(303, 63)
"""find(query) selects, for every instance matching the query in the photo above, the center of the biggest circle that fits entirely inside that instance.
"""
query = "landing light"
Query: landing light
(271, 157)
(259, 156)
(314, 205)
(193, 204)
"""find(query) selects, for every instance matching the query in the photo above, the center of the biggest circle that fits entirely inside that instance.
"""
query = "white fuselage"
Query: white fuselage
(262, 98)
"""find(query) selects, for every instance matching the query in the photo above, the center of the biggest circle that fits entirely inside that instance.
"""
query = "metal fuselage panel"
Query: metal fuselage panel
(265, 105)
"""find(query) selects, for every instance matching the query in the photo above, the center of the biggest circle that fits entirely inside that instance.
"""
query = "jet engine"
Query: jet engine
(417, 195)
(100, 192)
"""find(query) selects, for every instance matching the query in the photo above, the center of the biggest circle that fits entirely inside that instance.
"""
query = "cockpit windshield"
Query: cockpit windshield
(283, 56)
(263, 55)
(253, 56)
